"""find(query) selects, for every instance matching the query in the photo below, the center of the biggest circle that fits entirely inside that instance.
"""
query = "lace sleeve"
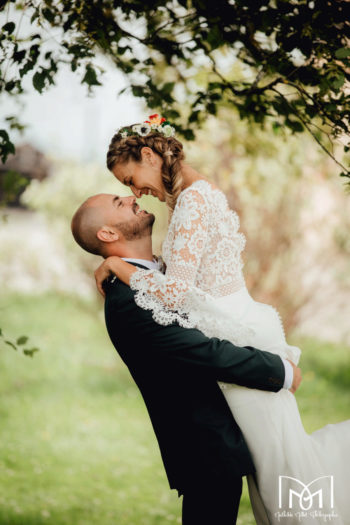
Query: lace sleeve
(174, 297)
(166, 294)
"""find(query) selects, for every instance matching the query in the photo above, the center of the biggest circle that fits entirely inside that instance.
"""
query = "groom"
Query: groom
(177, 369)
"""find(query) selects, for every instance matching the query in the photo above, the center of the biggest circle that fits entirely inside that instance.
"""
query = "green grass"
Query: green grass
(77, 447)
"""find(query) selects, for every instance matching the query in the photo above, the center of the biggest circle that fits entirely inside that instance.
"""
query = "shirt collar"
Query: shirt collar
(151, 265)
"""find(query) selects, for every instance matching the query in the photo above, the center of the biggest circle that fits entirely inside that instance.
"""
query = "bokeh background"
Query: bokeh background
(76, 443)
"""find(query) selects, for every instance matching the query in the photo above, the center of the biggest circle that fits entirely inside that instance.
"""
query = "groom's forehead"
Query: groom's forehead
(105, 197)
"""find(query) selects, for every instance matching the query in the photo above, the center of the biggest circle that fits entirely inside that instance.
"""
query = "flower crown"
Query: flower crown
(155, 123)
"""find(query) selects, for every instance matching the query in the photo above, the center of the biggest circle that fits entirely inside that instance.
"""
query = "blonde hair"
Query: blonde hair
(168, 148)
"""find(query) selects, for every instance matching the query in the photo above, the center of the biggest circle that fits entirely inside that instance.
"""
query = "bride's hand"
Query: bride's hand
(107, 268)
(296, 377)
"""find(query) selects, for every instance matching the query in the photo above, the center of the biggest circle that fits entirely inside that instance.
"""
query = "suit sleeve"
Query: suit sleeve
(219, 359)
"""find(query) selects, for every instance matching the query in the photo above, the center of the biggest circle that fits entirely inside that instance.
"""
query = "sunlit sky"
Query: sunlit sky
(66, 122)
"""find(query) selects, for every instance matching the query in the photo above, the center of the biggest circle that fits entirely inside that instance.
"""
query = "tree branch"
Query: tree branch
(307, 126)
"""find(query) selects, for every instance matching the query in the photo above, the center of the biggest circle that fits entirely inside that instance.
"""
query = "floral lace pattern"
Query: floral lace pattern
(202, 252)
(203, 223)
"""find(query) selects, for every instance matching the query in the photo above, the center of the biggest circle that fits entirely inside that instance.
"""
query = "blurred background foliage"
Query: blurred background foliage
(293, 211)
(293, 57)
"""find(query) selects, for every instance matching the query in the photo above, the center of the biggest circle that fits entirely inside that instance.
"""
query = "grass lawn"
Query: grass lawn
(77, 447)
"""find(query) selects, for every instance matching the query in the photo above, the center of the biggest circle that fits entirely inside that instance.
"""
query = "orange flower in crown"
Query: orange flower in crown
(155, 119)
(155, 123)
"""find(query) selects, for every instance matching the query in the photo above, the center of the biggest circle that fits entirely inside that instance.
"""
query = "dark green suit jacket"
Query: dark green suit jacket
(176, 370)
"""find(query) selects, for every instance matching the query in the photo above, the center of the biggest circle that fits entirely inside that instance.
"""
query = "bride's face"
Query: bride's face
(144, 177)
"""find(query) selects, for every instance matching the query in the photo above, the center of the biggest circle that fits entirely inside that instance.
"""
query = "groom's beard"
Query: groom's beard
(138, 228)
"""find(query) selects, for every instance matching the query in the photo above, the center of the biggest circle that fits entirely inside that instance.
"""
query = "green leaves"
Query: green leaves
(138, 91)
(12, 184)
(44, 77)
(214, 37)
(20, 342)
(235, 53)
(90, 77)
(6, 146)
(30, 351)
(49, 15)
(276, 127)
(188, 134)
(39, 81)
(338, 81)
(9, 343)
(9, 27)
(294, 125)
(32, 57)
(168, 87)
(342, 52)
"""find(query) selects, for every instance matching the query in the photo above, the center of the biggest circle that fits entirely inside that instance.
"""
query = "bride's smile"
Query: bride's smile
(143, 178)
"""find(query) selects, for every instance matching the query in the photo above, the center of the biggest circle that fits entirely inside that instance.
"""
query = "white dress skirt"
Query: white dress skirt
(302, 478)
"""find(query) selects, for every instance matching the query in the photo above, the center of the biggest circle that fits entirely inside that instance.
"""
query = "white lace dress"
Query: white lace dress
(204, 287)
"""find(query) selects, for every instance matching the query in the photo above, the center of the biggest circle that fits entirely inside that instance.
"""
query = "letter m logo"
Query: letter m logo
(304, 494)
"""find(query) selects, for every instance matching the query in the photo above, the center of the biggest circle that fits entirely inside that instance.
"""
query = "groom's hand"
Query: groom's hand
(296, 377)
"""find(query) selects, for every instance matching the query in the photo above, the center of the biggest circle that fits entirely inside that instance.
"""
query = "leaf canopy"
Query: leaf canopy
(283, 60)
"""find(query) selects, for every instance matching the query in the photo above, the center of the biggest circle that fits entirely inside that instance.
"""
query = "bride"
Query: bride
(302, 478)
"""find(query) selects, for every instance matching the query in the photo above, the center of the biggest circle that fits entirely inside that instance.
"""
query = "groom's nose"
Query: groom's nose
(130, 200)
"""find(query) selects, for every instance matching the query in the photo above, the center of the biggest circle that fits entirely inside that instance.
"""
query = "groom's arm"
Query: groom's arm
(129, 325)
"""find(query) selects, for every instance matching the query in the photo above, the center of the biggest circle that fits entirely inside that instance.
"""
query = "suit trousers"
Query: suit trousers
(215, 502)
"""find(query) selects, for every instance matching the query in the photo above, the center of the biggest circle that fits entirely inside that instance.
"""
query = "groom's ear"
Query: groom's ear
(107, 234)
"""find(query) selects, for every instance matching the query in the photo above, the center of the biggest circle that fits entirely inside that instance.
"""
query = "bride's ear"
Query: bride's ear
(147, 154)
(107, 234)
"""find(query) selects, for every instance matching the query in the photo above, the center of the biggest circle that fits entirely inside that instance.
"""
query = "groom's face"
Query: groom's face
(124, 214)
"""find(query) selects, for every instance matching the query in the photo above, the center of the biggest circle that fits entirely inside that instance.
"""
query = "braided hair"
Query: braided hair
(168, 148)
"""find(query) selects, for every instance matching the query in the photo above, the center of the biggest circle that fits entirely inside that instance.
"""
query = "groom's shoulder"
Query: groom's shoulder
(117, 290)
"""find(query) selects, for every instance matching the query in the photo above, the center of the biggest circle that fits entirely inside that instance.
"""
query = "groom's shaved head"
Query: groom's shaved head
(86, 222)
(104, 222)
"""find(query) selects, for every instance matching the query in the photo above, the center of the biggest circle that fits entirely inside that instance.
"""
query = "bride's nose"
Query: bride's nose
(136, 192)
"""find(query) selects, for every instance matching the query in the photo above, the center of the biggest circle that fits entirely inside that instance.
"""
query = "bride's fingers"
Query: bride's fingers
(101, 290)
(99, 282)
(297, 377)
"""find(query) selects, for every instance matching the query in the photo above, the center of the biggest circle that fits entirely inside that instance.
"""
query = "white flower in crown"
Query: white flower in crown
(144, 129)
(168, 130)
(156, 123)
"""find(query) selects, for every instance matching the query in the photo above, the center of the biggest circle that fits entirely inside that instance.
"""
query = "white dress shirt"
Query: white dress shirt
(151, 265)
(156, 265)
